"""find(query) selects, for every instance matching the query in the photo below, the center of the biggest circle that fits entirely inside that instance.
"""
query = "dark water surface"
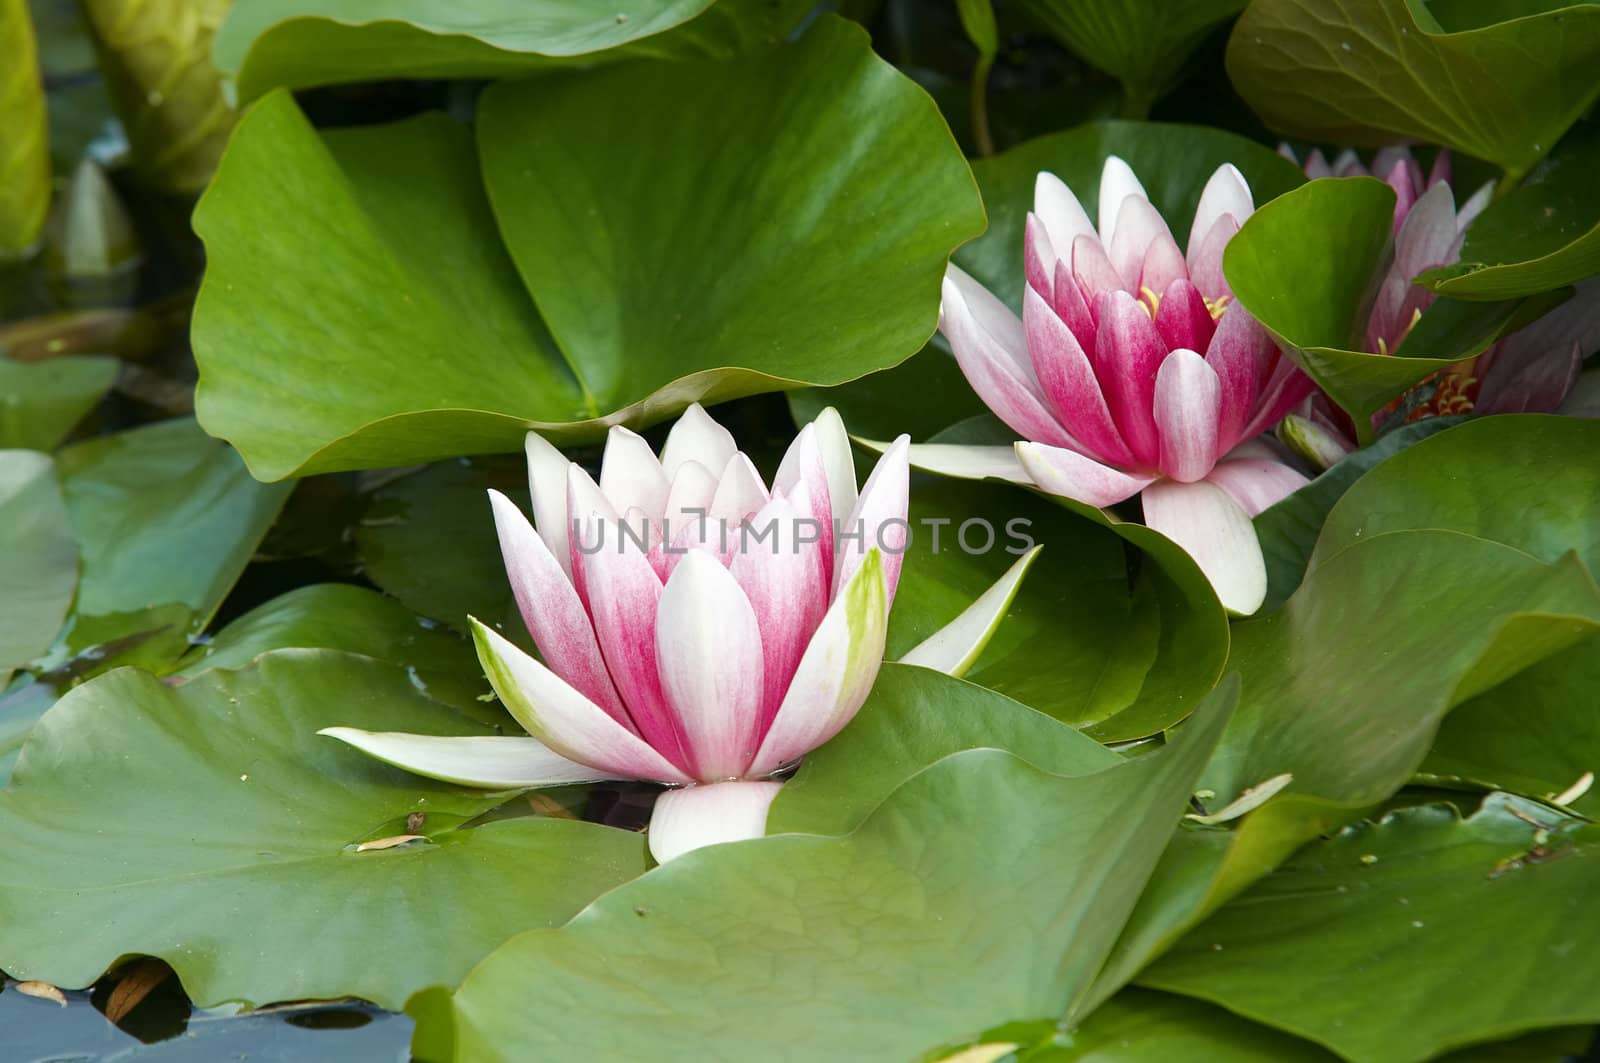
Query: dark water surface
(161, 1029)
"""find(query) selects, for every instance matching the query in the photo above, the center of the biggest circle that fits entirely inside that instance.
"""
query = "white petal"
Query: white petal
(836, 460)
(1226, 193)
(1216, 531)
(953, 648)
(631, 477)
(1064, 217)
(563, 719)
(1071, 475)
(1117, 183)
(879, 520)
(696, 816)
(547, 482)
(1188, 409)
(964, 462)
(1256, 484)
(708, 652)
(696, 437)
(489, 762)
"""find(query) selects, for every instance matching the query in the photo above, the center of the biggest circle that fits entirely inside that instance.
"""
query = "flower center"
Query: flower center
(1152, 304)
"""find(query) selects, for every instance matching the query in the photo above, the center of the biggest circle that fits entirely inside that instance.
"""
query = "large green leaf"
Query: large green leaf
(1373, 71)
(163, 515)
(1528, 480)
(1288, 531)
(797, 164)
(1173, 163)
(1534, 734)
(336, 616)
(1142, 43)
(1540, 236)
(1381, 923)
(40, 402)
(266, 44)
(24, 135)
(914, 718)
(1305, 266)
(38, 559)
(211, 826)
(981, 889)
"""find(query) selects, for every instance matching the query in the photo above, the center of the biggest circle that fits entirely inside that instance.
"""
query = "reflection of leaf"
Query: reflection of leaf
(1421, 906)
(209, 824)
(1142, 43)
(157, 59)
(798, 164)
(40, 402)
(267, 44)
(1540, 236)
(1369, 72)
(980, 889)
(24, 147)
(38, 560)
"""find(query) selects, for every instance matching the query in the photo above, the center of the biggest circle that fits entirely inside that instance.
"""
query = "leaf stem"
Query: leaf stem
(981, 136)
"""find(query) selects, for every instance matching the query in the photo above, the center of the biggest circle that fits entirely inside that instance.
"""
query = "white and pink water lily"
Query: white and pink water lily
(1530, 371)
(698, 628)
(1132, 371)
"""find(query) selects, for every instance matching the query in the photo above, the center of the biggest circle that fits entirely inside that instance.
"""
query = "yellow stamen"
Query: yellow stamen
(1150, 301)
(1217, 306)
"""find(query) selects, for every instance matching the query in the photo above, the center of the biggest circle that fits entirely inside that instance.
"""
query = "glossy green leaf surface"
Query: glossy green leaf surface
(914, 718)
(209, 825)
(1542, 235)
(38, 558)
(840, 253)
(337, 616)
(879, 944)
(1173, 163)
(1374, 71)
(1387, 917)
(40, 402)
(267, 44)
(1142, 43)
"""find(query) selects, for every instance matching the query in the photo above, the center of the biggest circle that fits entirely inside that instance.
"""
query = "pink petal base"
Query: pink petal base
(687, 819)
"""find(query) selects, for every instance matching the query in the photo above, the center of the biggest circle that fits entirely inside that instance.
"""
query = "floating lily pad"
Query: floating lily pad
(396, 257)
(209, 825)
(267, 44)
(1387, 918)
(879, 944)
(38, 558)
(40, 402)
(1503, 84)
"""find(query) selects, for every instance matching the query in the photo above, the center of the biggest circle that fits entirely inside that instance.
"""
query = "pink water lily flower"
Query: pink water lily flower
(1132, 371)
(1530, 371)
(698, 628)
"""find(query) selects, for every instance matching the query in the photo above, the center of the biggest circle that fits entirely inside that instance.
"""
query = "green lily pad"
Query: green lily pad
(164, 516)
(38, 558)
(1289, 530)
(1542, 235)
(267, 44)
(1373, 71)
(1534, 734)
(395, 256)
(40, 402)
(210, 825)
(879, 944)
(1142, 43)
(1384, 920)
(1173, 163)
(337, 616)
(914, 718)
(1304, 265)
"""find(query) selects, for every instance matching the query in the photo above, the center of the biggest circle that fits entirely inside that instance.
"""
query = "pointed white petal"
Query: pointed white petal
(1117, 183)
(1216, 531)
(630, 475)
(964, 462)
(953, 648)
(879, 520)
(488, 762)
(837, 461)
(1063, 216)
(1257, 484)
(1071, 475)
(547, 482)
(1226, 193)
(708, 651)
(696, 816)
(563, 719)
(697, 437)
